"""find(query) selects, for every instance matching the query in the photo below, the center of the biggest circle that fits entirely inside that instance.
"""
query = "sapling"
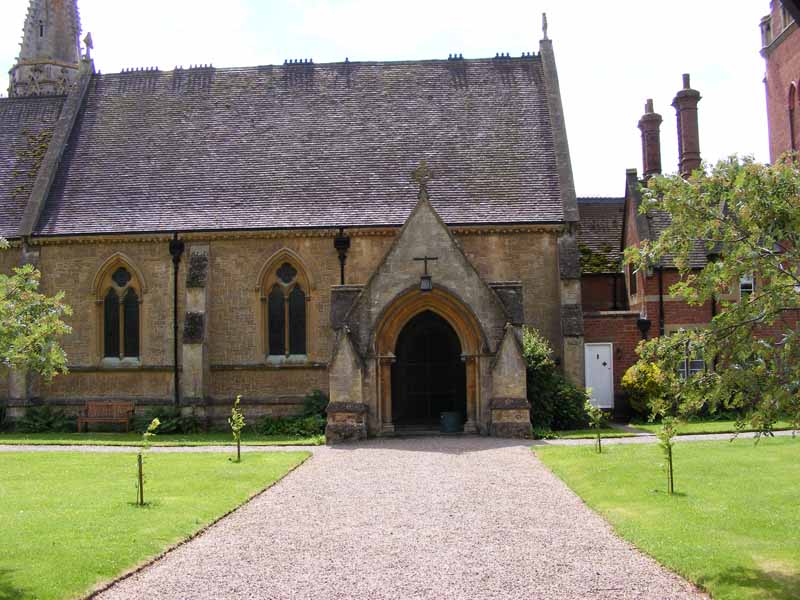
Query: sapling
(668, 430)
(237, 423)
(147, 436)
(597, 420)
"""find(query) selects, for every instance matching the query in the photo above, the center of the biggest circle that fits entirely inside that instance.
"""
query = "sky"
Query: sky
(611, 56)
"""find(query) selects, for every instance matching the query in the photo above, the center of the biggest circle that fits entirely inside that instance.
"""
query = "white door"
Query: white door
(600, 374)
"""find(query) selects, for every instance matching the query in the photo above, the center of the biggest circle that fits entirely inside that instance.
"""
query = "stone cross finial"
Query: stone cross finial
(544, 25)
(87, 41)
(422, 175)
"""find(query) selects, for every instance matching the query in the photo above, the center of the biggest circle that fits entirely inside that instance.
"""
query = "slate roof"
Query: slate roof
(659, 221)
(24, 125)
(305, 145)
(601, 226)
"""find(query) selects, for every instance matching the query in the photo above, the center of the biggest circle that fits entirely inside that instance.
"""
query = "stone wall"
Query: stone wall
(235, 320)
(72, 268)
(529, 257)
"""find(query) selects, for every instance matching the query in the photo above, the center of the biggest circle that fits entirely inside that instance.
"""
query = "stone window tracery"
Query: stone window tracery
(120, 294)
(286, 294)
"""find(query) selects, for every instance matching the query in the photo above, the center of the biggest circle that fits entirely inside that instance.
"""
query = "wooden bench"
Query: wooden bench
(106, 412)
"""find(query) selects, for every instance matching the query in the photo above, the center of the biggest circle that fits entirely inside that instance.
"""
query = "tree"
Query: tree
(666, 436)
(597, 420)
(147, 438)
(745, 217)
(237, 423)
(31, 323)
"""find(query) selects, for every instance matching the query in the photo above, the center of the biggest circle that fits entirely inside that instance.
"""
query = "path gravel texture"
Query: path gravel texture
(422, 518)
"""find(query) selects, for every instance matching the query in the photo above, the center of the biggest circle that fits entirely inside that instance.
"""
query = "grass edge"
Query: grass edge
(106, 585)
(697, 586)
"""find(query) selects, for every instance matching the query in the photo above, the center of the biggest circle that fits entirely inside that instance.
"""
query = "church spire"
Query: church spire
(50, 55)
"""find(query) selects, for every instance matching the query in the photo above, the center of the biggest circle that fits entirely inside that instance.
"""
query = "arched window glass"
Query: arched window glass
(111, 323)
(286, 311)
(277, 321)
(131, 320)
(297, 321)
(121, 315)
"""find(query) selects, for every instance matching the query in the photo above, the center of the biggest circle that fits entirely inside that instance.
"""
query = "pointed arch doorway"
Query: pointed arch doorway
(447, 318)
(429, 373)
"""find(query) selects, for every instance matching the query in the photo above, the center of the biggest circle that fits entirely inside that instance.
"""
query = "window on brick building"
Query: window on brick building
(766, 32)
(286, 296)
(690, 367)
(121, 313)
(747, 285)
(632, 284)
(786, 17)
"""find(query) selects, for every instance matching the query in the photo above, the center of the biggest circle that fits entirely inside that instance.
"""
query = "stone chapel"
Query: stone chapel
(378, 230)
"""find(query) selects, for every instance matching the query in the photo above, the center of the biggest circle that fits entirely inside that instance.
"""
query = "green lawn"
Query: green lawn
(135, 439)
(733, 526)
(69, 522)
(706, 427)
(580, 434)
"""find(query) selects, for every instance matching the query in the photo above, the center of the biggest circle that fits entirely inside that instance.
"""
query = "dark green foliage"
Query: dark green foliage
(45, 419)
(544, 434)
(310, 423)
(315, 403)
(556, 404)
(171, 420)
(598, 263)
(304, 426)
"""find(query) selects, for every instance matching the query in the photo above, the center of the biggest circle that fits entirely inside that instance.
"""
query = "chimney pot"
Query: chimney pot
(650, 125)
(685, 104)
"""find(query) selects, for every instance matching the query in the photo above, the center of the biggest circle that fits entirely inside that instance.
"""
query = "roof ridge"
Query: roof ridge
(149, 69)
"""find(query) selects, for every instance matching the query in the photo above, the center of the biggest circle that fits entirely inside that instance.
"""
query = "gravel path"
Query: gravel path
(420, 518)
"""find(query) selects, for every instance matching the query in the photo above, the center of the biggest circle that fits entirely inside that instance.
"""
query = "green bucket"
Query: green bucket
(451, 422)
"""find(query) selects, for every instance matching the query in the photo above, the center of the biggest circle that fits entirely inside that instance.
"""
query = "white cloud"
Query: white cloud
(611, 56)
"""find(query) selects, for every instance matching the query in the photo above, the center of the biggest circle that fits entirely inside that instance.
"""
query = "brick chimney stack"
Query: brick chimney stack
(649, 124)
(685, 104)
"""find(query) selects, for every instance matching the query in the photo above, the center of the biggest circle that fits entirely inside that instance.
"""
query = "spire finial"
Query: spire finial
(544, 26)
(87, 41)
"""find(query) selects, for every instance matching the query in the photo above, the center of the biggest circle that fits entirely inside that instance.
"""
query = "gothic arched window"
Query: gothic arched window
(121, 310)
(285, 294)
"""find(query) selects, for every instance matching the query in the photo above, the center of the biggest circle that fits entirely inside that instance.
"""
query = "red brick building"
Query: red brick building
(780, 41)
(622, 307)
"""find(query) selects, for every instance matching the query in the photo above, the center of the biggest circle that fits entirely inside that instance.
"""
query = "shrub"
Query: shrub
(311, 422)
(643, 382)
(45, 419)
(315, 403)
(303, 426)
(170, 418)
(556, 403)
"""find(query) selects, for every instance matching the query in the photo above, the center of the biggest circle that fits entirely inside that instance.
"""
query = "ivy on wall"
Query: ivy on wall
(598, 262)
